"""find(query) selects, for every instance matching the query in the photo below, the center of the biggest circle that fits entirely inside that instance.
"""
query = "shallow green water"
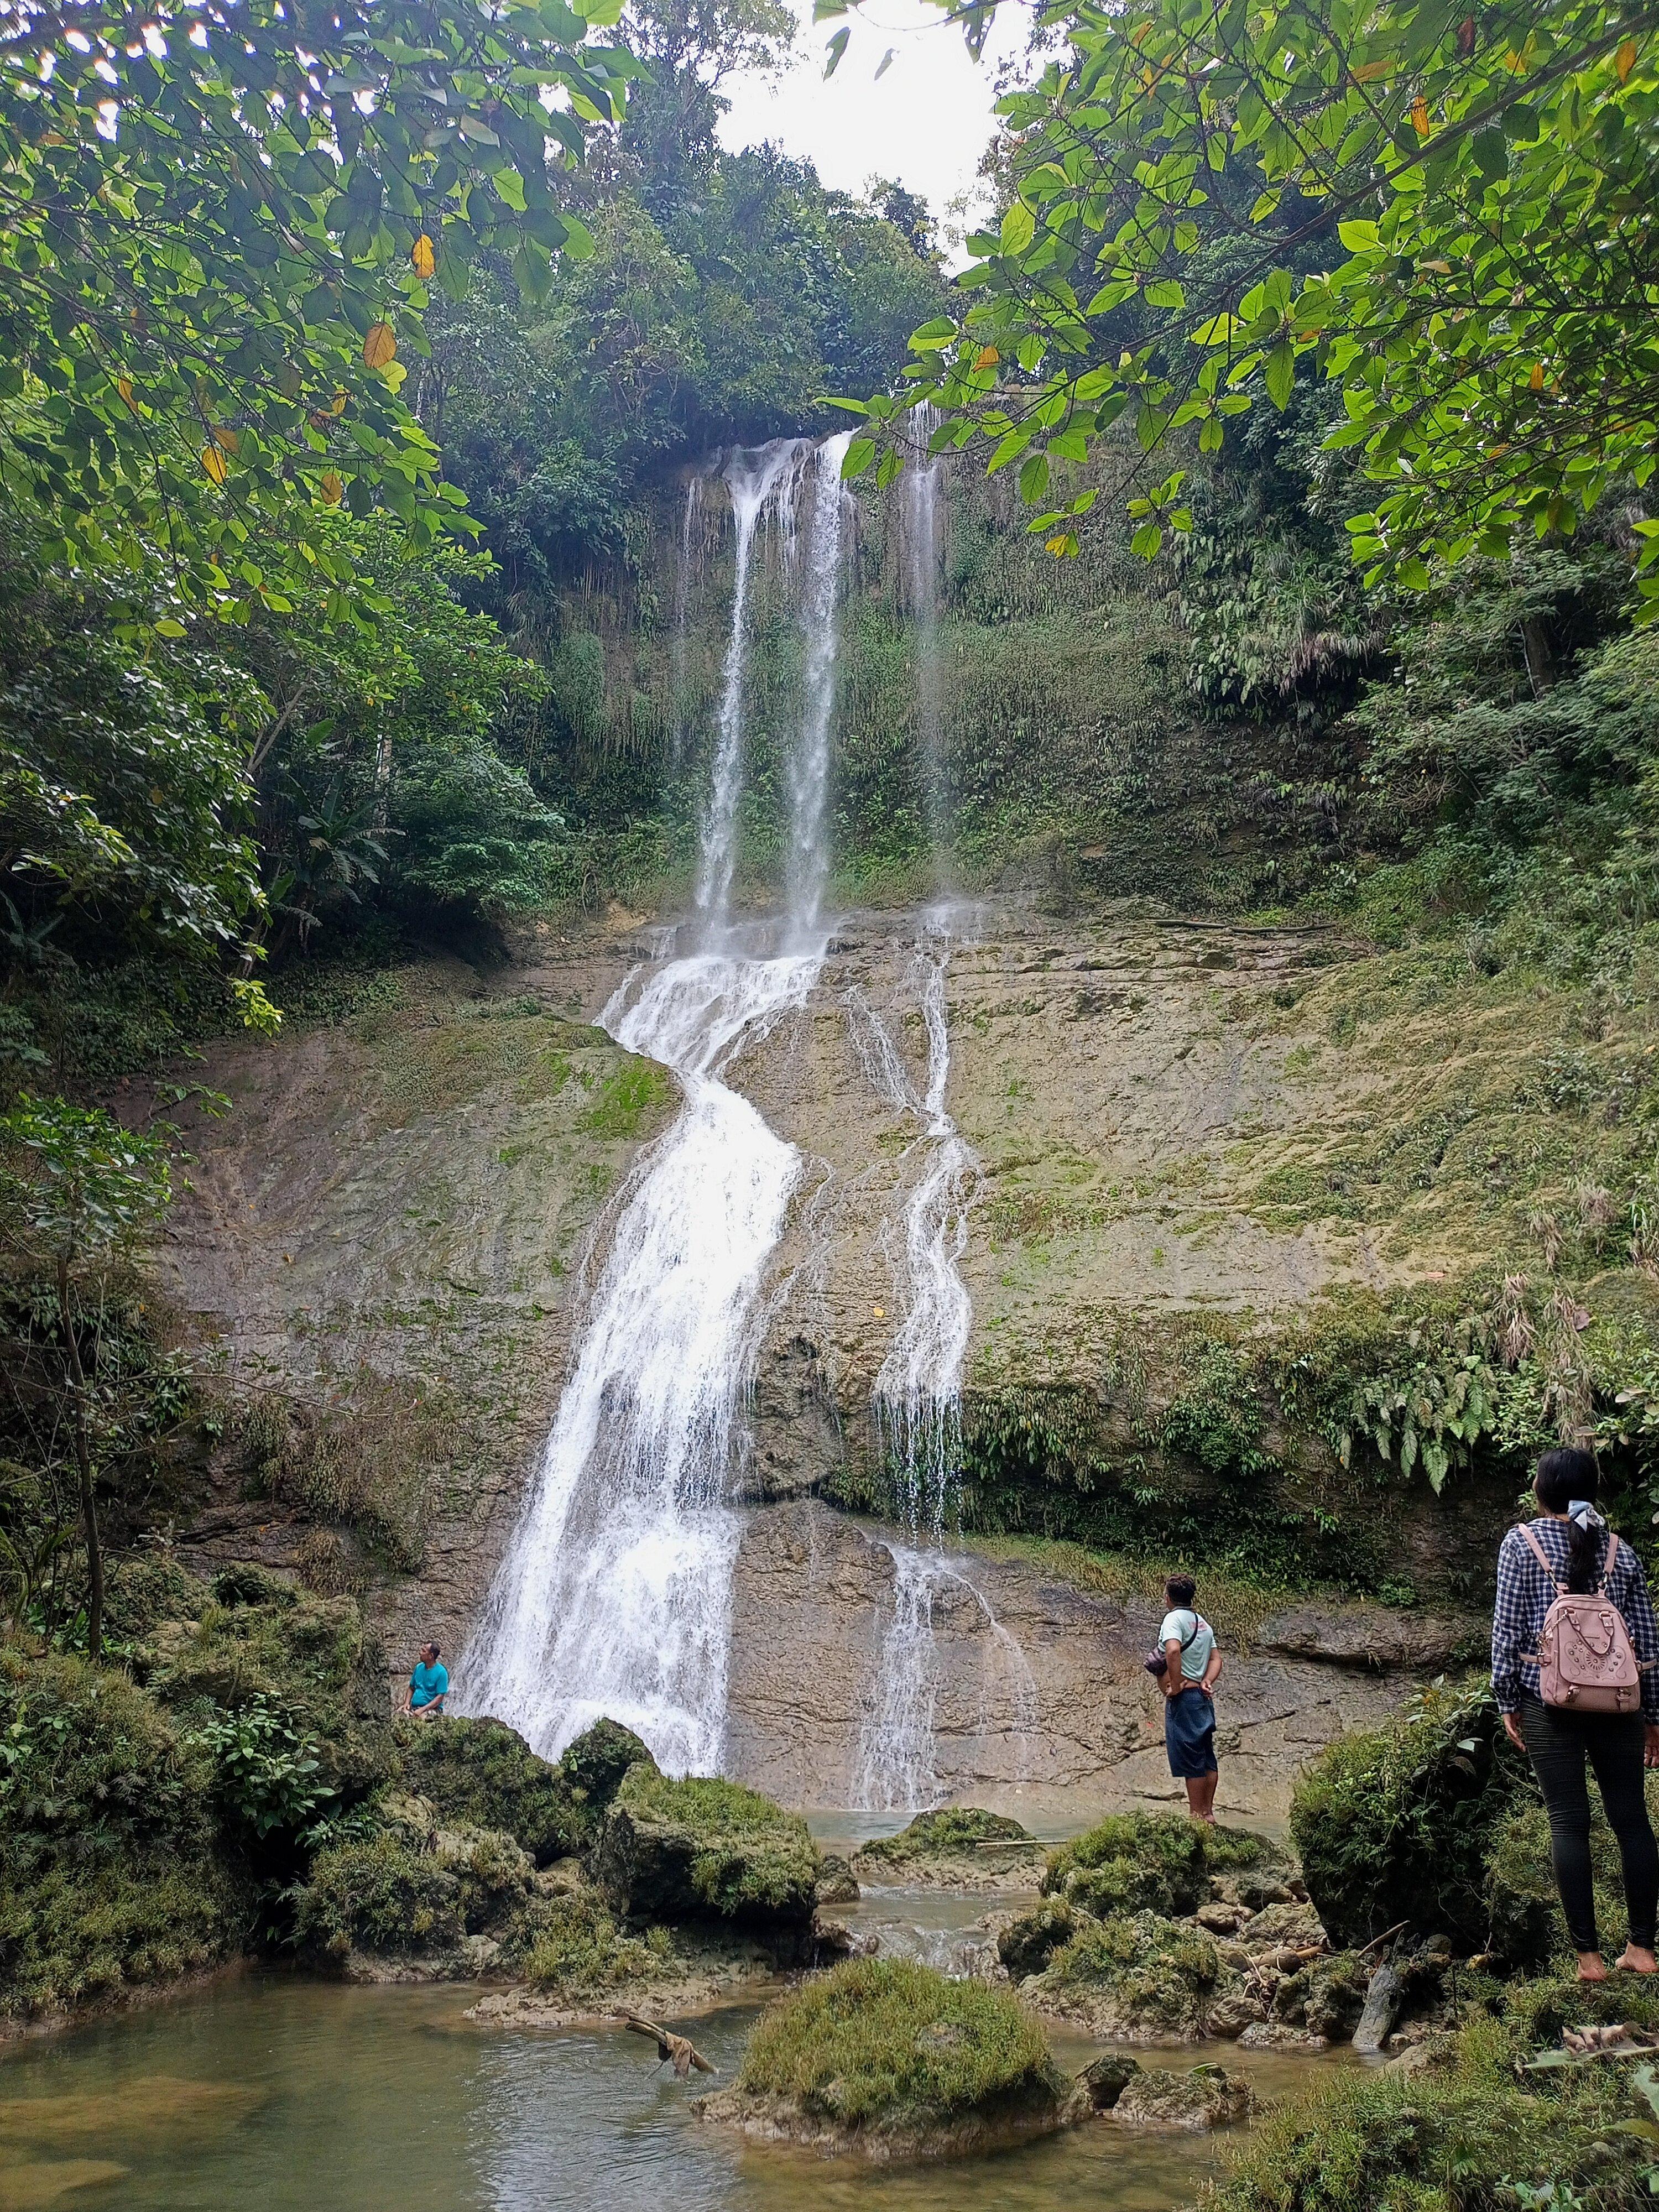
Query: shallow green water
(272, 2094)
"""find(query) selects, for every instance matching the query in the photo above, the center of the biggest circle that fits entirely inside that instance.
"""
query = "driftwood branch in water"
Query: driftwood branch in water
(674, 2049)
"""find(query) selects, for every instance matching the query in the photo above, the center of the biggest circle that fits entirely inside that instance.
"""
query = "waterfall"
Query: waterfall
(808, 861)
(922, 484)
(898, 1743)
(752, 476)
(678, 663)
(917, 1408)
(615, 1594)
(918, 1390)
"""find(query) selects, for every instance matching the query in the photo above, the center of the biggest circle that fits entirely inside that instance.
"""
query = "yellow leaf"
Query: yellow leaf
(987, 357)
(337, 404)
(1625, 60)
(1369, 72)
(1496, 453)
(1535, 381)
(123, 385)
(1056, 545)
(380, 346)
(331, 488)
(228, 440)
(1420, 115)
(213, 461)
(1440, 268)
(422, 254)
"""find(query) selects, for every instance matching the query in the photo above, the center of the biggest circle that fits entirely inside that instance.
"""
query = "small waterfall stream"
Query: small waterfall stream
(615, 1596)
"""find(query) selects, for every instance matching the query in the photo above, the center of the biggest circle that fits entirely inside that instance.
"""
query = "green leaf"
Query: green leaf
(1019, 228)
(1278, 374)
(857, 458)
(834, 50)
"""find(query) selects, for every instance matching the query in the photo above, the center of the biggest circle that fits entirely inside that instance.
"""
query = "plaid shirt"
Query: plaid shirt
(1525, 1595)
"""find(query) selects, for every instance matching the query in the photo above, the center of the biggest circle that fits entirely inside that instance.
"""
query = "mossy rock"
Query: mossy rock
(113, 1875)
(594, 1764)
(1397, 1825)
(578, 1950)
(381, 1896)
(703, 1849)
(1027, 1944)
(962, 1844)
(1134, 1978)
(482, 1773)
(1151, 1861)
(1197, 2099)
(1326, 1997)
(148, 1588)
(885, 2057)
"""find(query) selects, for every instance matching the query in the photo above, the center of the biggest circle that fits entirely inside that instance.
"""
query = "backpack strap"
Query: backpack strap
(1607, 1563)
(1537, 1550)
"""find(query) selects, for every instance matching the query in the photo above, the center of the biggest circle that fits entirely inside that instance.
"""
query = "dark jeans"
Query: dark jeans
(1559, 1743)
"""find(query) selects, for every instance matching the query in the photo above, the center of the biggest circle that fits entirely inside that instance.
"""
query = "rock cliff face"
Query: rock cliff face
(1040, 1702)
(387, 1239)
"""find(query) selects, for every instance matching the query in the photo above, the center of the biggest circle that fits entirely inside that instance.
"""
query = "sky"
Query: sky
(925, 122)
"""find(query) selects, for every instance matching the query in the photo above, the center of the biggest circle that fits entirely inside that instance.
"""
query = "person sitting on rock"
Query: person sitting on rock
(1192, 1668)
(428, 1685)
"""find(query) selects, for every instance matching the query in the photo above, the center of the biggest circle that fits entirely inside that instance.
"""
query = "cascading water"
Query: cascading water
(921, 485)
(677, 669)
(614, 1596)
(917, 1408)
(752, 476)
(809, 861)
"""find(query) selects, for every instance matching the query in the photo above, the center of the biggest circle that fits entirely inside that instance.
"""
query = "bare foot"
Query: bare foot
(1634, 1960)
(1591, 1967)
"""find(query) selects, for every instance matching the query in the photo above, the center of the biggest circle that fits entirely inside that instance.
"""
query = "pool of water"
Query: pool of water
(271, 2094)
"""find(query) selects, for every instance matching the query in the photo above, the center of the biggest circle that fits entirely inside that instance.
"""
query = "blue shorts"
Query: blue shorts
(1189, 1734)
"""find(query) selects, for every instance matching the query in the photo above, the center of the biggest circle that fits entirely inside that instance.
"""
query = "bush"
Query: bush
(1397, 1825)
(578, 1948)
(1467, 2138)
(377, 1895)
(887, 2044)
(1150, 1861)
(110, 1872)
(690, 1849)
(147, 1589)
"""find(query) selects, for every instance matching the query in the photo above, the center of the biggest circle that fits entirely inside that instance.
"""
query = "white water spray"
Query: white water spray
(753, 476)
(809, 860)
(677, 668)
(898, 1743)
(922, 482)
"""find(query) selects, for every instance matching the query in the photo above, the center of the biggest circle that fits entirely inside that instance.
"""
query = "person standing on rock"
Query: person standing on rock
(1579, 1682)
(1191, 1665)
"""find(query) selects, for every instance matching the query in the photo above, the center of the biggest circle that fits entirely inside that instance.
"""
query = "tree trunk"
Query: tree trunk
(83, 1469)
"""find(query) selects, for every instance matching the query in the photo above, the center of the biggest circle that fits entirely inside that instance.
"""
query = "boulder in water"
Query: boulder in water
(886, 2059)
(1151, 1861)
(960, 1847)
(1202, 2097)
(1134, 1977)
(705, 1850)
(1027, 1944)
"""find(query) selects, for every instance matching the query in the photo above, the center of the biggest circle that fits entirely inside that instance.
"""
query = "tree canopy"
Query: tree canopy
(218, 228)
(1447, 212)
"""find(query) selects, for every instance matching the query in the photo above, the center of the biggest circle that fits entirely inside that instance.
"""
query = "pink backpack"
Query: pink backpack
(1585, 1657)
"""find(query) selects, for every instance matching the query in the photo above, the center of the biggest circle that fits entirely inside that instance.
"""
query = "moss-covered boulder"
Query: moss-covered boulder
(482, 1773)
(1397, 1825)
(1027, 1944)
(1151, 1861)
(884, 2058)
(1326, 1997)
(1134, 1978)
(1197, 2099)
(381, 1896)
(704, 1849)
(113, 1873)
(960, 1847)
(581, 1951)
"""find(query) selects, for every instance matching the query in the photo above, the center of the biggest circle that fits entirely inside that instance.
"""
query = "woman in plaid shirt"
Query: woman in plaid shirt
(1574, 1539)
